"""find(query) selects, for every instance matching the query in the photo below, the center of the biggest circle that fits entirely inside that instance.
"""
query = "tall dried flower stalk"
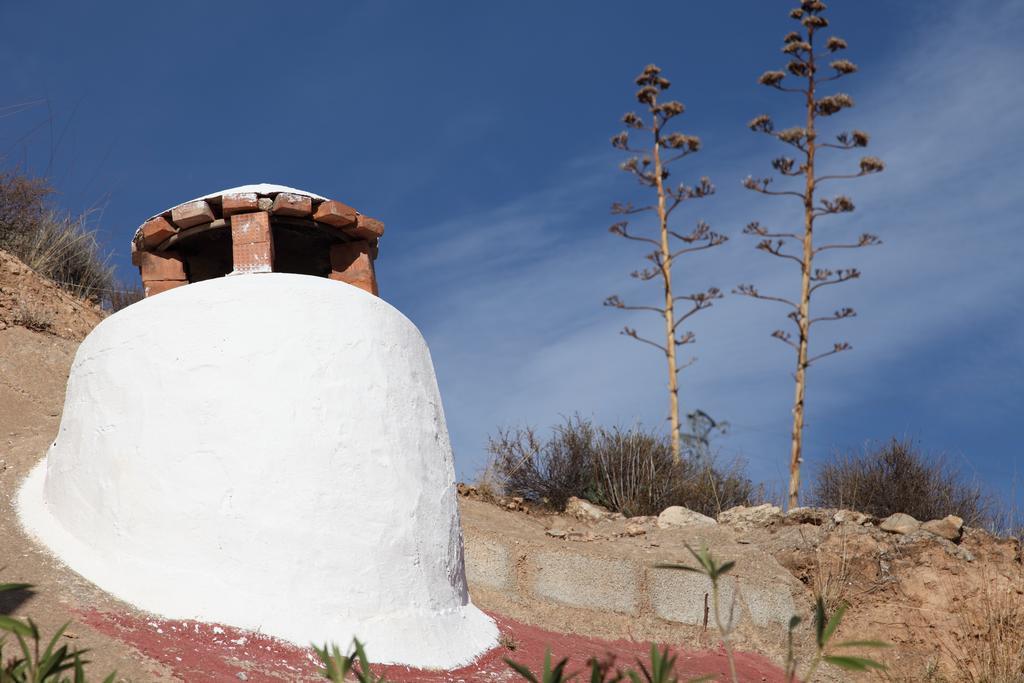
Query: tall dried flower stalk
(806, 58)
(650, 167)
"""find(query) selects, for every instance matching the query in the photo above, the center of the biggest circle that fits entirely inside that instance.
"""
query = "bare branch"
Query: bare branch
(620, 230)
(838, 347)
(866, 240)
(785, 337)
(841, 314)
(755, 228)
(630, 332)
(761, 185)
(751, 291)
(615, 302)
(628, 208)
(687, 338)
(775, 249)
(825, 277)
(700, 300)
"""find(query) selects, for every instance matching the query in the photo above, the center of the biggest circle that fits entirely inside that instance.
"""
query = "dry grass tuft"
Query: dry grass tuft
(990, 645)
(55, 244)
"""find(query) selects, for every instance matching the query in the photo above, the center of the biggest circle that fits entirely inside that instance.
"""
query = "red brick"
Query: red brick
(136, 254)
(253, 257)
(336, 214)
(351, 263)
(192, 213)
(249, 228)
(287, 204)
(155, 231)
(154, 287)
(240, 202)
(366, 229)
(164, 265)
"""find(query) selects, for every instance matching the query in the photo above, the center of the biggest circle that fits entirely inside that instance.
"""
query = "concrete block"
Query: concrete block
(487, 564)
(767, 603)
(679, 596)
(591, 582)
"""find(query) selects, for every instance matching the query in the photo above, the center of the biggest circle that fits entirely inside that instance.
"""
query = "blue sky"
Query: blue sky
(479, 133)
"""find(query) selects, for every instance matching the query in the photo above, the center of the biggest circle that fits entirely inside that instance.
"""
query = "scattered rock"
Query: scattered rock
(585, 510)
(899, 523)
(950, 527)
(678, 516)
(556, 533)
(850, 517)
(635, 529)
(743, 517)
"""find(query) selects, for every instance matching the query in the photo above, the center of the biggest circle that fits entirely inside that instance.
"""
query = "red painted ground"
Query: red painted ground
(208, 653)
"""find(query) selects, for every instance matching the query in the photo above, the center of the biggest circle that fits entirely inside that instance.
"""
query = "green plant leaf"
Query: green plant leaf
(681, 567)
(522, 670)
(853, 663)
(833, 623)
(15, 626)
(864, 643)
(794, 621)
(14, 586)
(724, 567)
(819, 622)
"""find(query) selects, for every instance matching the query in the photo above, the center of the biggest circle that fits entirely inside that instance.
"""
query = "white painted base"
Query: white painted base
(270, 452)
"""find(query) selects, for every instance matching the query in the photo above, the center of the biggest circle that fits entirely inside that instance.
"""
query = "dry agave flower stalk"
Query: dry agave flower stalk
(649, 165)
(803, 75)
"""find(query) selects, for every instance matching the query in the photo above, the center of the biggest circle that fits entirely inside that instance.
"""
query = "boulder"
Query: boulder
(586, 511)
(899, 523)
(678, 516)
(949, 527)
(743, 517)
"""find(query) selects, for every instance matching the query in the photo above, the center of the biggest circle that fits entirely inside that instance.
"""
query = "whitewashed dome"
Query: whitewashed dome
(270, 452)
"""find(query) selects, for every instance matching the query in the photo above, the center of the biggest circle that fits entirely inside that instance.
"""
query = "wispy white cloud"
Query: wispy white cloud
(509, 298)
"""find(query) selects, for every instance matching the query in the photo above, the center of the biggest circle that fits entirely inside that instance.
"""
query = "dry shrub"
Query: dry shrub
(898, 477)
(33, 317)
(55, 244)
(631, 471)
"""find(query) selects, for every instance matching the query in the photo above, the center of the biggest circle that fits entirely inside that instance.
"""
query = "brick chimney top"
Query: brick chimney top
(256, 229)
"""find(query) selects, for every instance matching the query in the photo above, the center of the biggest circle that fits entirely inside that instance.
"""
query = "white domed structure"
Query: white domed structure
(267, 451)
